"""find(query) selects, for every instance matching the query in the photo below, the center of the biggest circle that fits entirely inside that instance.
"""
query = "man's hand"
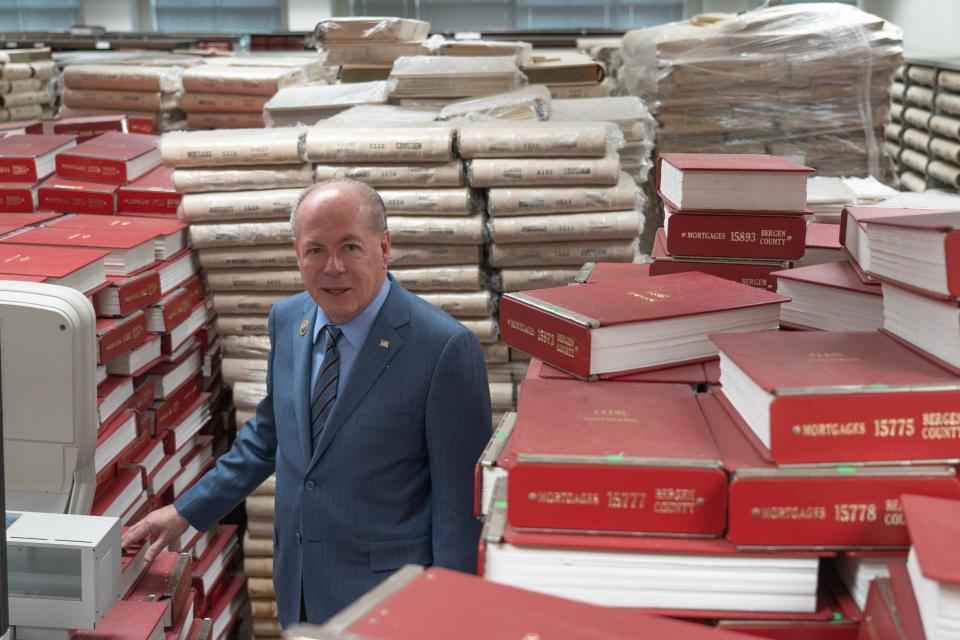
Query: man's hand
(160, 527)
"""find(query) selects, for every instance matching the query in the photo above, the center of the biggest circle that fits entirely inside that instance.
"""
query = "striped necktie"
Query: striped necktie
(325, 389)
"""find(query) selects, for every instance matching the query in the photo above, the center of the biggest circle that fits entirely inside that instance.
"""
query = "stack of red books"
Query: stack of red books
(26, 160)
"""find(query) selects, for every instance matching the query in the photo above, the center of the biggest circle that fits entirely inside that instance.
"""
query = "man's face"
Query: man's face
(343, 261)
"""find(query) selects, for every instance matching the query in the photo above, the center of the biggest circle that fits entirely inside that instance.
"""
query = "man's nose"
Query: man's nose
(334, 265)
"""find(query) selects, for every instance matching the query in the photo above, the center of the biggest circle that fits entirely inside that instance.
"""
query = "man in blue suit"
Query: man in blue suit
(377, 408)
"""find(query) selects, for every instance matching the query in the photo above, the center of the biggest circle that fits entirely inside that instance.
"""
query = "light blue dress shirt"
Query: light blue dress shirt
(355, 332)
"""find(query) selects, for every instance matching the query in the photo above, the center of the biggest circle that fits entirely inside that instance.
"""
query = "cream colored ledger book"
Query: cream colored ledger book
(211, 120)
(233, 280)
(257, 547)
(527, 103)
(281, 255)
(563, 67)
(222, 102)
(261, 81)
(566, 227)
(260, 527)
(448, 174)
(260, 568)
(578, 91)
(239, 234)
(19, 86)
(312, 102)
(536, 140)
(561, 253)
(418, 255)
(246, 348)
(432, 202)
(367, 113)
(259, 506)
(522, 279)
(437, 230)
(16, 71)
(310, 65)
(248, 302)
(262, 587)
(456, 77)
(484, 328)
(522, 50)
(477, 304)
(370, 29)
(123, 78)
(523, 201)
(244, 370)
(242, 325)
(108, 99)
(239, 205)
(496, 353)
(543, 171)
(26, 112)
(457, 278)
(232, 147)
(242, 178)
(372, 53)
(406, 144)
(247, 395)
(24, 99)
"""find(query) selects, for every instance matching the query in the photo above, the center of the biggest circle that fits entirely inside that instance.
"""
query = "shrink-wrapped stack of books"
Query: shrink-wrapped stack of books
(923, 134)
(567, 74)
(258, 560)
(365, 47)
(310, 103)
(26, 92)
(437, 80)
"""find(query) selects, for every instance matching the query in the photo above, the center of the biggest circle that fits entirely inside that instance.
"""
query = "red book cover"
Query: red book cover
(114, 158)
(86, 127)
(176, 270)
(614, 456)
(835, 275)
(881, 620)
(823, 236)
(128, 620)
(225, 606)
(167, 580)
(210, 568)
(132, 566)
(905, 600)
(934, 523)
(170, 343)
(607, 271)
(131, 293)
(176, 306)
(944, 229)
(115, 391)
(21, 127)
(142, 397)
(21, 220)
(30, 158)
(18, 197)
(846, 396)
(119, 335)
(182, 625)
(53, 263)
(169, 235)
(65, 235)
(692, 374)
(115, 437)
(557, 324)
(152, 193)
(115, 498)
(781, 237)
(168, 411)
(841, 506)
(74, 196)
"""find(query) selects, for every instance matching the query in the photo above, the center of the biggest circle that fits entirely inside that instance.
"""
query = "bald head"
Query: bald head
(342, 192)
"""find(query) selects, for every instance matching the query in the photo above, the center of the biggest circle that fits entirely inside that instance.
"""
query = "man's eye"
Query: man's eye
(312, 251)
(351, 247)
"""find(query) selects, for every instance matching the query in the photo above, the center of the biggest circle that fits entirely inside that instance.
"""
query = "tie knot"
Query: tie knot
(333, 334)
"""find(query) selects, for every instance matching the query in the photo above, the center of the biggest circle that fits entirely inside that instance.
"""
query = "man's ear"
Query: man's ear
(385, 243)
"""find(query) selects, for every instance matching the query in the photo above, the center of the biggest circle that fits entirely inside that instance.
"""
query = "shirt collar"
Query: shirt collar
(357, 328)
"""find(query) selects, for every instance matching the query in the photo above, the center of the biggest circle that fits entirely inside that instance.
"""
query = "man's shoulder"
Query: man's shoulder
(293, 307)
(428, 319)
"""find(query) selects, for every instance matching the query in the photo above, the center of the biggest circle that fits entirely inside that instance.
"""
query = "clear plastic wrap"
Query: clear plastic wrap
(476, 304)
(568, 227)
(526, 201)
(211, 120)
(24, 98)
(260, 81)
(123, 77)
(229, 280)
(527, 172)
(25, 112)
(563, 67)
(432, 202)
(228, 147)
(246, 348)
(244, 369)
(242, 178)
(312, 102)
(453, 77)
(804, 80)
(372, 53)
(224, 102)
(242, 324)
(437, 230)
(238, 205)
(248, 302)
(43, 69)
(240, 234)
(370, 29)
(425, 255)
(538, 140)
(384, 143)
(246, 395)
(19, 86)
(310, 63)
(118, 101)
(550, 254)
(491, 48)
(451, 278)
(16, 71)
(279, 255)
(384, 113)
(527, 103)
(448, 174)
(507, 280)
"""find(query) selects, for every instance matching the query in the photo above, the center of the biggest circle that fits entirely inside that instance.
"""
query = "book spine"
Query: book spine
(546, 336)
(865, 427)
(159, 202)
(141, 399)
(952, 252)
(880, 619)
(851, 511)
(94, 169)
(86, 131)
(753, 275)
(16, 201)
(617, 497)
(177, 310)
(139, 293)
(66, 200)
(167, 411)
(141, 125)
(122, 338)
(18, 170)
(723, 236)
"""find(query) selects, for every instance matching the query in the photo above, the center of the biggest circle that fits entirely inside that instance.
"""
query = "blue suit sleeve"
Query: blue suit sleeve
(457, 430)
(249, 462)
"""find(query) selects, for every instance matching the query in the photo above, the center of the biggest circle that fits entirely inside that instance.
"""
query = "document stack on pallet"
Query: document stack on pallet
(26, 92)
(310, 103)
(148, 95)
(568, 74)
(923, 134)
(438, 80)
(258, 560)
(736, 216)
(233, 97)
(807, 81)
(365, 47)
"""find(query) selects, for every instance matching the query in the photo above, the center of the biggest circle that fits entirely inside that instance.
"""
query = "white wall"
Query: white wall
(303, 15)
(113, 15)
(929, 26)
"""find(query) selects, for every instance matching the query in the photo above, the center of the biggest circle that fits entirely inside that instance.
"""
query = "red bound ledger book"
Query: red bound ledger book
(492, 464)
(30, 158)
(32, 127)
(114, 499)
(131, 249)
(934, 236)
(751, 236)
(112, 396)
(841, 506)
(80, 269)
(170, 236)
(823, 245)
(86, 127)
(753, 273)
(167, 580)
(132, 566)
(881, 620)
(119, 335)
(74, 196)
(225, 608)
(127, 294)
(150, 194)
(175, 307)
(113, 158)
(21, 220)
(933, 566)
(210, 569)
(395, 610)
(128, 620)
(201, 629)
(829, 297)
(719, 182)
(114, 438)
(174, 271)
(619, 327)
(614, 456)
(905, 600)
(606, 271)
(692, 374)
(171, 342)
(18, 197)
(846, 397)
(181, 626)
(926, 325)
(167, 376)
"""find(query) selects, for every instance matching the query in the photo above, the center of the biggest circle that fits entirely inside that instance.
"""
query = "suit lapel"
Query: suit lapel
(381, 346)
(302, 361)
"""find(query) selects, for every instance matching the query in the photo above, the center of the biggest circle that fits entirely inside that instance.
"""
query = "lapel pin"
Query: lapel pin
(384, 344)
(303, 327)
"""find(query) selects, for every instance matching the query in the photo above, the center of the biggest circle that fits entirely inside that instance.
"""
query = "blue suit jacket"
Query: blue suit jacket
(391, 479)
